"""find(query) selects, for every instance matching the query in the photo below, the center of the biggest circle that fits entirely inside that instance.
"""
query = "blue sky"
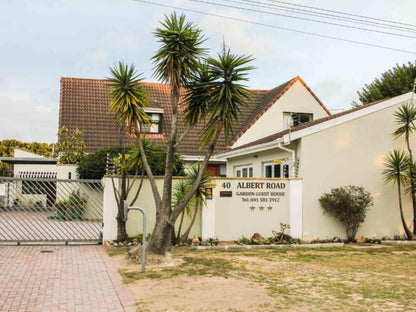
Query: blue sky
(44, 40)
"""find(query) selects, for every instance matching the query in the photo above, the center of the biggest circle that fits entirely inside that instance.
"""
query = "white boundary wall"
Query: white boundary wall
(239, 207)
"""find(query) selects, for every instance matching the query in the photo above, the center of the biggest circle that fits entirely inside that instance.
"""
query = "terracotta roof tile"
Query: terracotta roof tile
(84, 104)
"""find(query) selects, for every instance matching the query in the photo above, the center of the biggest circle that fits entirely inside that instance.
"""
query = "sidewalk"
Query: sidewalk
(60, 278)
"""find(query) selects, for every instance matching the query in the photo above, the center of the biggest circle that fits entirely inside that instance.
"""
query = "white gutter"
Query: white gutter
(248, 150)
(279, 145)
(201, 158)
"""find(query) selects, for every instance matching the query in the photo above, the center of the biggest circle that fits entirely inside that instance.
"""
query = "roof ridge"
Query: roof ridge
(103, 80)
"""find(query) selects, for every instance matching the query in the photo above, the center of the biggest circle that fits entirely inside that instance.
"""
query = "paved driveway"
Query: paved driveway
(60, 278)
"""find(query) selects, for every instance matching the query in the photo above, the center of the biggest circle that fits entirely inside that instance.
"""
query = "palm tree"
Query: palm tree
(405, 117)
(175, 61)
(216, 95)
(180, 191)
(396, 166)
(127, 100)
(199, 195)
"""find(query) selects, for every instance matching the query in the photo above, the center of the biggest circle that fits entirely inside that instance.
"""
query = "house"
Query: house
(84, 104)
(34, 178)
(347, 148)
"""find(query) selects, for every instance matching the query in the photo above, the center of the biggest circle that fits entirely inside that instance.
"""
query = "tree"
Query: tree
(177, 63)
(127, 100)
(396, 166)
(197, 201)
(405, 118)
(93, 165)
(395, 81)
(71, 147)
(349, 204)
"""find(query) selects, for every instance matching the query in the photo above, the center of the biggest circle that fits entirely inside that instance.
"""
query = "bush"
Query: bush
(93, 166)
(349, 204)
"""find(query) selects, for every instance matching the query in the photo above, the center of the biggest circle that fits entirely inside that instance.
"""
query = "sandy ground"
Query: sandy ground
(196, 293)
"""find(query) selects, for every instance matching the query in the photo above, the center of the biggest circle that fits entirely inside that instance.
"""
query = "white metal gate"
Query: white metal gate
(45, 209)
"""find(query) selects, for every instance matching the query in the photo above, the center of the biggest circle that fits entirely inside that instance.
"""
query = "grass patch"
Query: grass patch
(117, 251)
(320, 279)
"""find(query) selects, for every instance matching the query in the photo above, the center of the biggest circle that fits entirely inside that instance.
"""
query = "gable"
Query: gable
(295, 97)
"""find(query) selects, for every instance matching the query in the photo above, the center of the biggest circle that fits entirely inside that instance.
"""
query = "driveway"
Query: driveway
(60, 278)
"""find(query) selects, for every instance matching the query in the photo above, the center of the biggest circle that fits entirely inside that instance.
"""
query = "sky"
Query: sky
(44, 40)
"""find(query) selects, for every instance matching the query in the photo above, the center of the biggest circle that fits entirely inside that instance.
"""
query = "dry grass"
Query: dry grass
(272, 279)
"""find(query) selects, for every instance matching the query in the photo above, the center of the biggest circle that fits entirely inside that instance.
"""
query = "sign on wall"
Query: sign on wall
(247, 206)
(255, 195)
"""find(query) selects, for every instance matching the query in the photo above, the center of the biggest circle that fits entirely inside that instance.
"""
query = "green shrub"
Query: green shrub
(244, 240)
(349, 204)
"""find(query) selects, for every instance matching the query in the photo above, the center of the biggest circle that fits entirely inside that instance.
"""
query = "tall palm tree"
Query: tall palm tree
(214, 97)
(405, 118)
(175, 61)
(127, 100)
(396, 167)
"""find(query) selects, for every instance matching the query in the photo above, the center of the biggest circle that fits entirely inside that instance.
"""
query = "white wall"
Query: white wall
(352, 153)
(296, 99)
(144, 201)
(258, 159)
(227, 218)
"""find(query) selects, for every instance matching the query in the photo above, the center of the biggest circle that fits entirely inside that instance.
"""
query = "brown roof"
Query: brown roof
(84, 105)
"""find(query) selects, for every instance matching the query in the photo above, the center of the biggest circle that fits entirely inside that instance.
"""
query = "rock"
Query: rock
(336, 239)
(257, 238)
(360, 239)
(195, 241)
(308, 237)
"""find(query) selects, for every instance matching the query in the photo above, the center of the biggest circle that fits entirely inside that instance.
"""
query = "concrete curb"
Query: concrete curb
(325, 245)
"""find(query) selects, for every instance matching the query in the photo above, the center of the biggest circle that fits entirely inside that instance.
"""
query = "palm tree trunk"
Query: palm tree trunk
(185, 235)
(405, 227)
(412, 182)
(161, 236)
(177, 240)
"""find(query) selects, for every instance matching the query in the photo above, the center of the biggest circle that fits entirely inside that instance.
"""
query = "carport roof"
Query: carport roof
(28, 160)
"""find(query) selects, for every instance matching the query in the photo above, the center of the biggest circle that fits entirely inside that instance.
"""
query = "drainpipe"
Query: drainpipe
(279, 145)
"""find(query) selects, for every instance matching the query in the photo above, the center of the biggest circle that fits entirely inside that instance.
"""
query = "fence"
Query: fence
(36, 208)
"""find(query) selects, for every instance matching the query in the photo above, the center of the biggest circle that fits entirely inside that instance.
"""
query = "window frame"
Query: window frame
(283, 169)
(297, 116)
(154, 124)
(241, 168)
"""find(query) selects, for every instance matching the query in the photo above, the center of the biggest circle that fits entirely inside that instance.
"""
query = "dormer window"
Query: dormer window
(155, 126)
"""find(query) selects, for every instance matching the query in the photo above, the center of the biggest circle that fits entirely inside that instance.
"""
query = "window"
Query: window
(245, 171)
(276, 169)
(298, 118)
(155, 126)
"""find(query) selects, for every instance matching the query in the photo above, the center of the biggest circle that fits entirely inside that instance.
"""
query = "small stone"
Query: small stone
(360, 239)
(257, 238)
(195, 241)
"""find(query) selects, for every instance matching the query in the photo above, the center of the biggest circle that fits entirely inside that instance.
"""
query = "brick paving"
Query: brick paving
(60, 278)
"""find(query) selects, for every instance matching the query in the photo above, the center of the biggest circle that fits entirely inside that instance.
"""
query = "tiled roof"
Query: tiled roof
(84, 104)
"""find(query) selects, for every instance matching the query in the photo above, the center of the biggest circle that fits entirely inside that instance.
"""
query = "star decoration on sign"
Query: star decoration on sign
(252, 208)
(269, 208)
(261, 208)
